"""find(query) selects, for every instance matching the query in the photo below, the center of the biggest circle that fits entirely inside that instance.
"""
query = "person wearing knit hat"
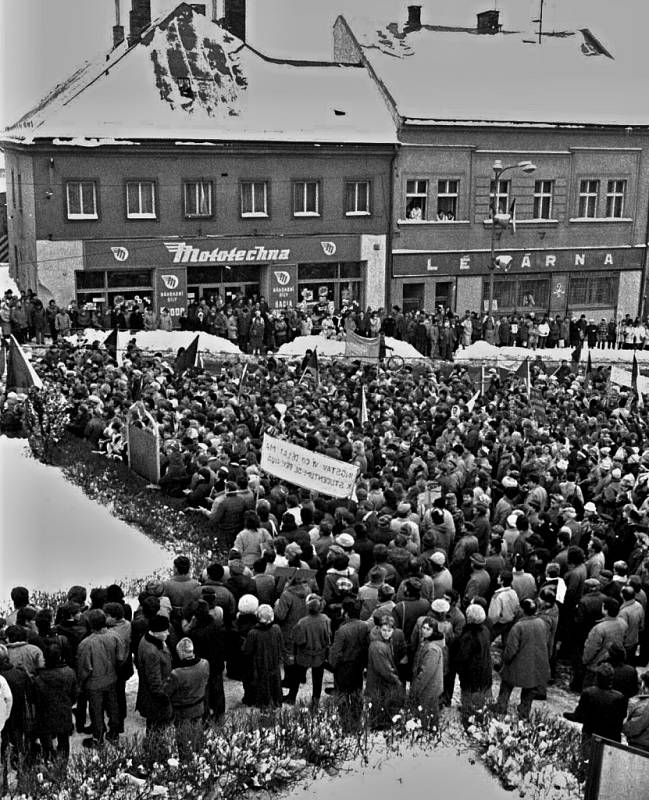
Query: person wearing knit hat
(154, 669)
(187, 687)
(265, 614)
(263, 650)
(248, 604)
(473, 662)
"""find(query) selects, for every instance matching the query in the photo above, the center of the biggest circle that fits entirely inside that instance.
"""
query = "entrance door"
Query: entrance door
(443, 294)
(413, 296)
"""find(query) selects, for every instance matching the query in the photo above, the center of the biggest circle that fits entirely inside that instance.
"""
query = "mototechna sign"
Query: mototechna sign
(226, 251)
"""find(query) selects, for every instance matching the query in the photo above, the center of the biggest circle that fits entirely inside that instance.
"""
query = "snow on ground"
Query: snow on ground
(415, 774)
(164, 340)
(6, 281)
(333, 347)
(52, 536)
(508, 356)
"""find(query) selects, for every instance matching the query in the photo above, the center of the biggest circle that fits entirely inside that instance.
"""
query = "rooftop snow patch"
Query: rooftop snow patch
(188, 78)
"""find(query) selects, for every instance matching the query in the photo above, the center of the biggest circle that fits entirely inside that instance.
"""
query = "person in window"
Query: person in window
(415, 213)
(450, 216)
(441, 216)
(528, 299)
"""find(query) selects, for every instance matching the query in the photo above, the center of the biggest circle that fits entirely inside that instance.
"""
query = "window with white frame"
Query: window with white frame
(543, 191)
(416, 197)
(447, 194)
(499, 197)
(306, 199)
(615, 194)
(198, 198)
(81, 199)
(254, 199)
(140, 200)
(588, 194)
(357, 198)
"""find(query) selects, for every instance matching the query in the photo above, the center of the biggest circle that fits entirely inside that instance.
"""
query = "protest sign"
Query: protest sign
(310, 470)
(360, 348)
(621, 376)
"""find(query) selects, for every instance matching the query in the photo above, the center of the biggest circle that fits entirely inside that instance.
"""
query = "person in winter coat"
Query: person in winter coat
(6, 703)
(55, 692)
(15, 706)
(253, 540)
(63, 323)
(383, 688)
(428, 674)
(312, 637)
(636, 726)
(166, 321)
(602, 635)
(208, 640)
(239, 667)
(289, 609)
(525, 661)
(473, 661)
(187, 690)
(154, 668)
(348, 658)
(227, 516)
(264, 647)
(256, 334)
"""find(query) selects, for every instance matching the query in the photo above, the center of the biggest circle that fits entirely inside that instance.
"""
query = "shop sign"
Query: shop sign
(283, 286)
(171, 290)
(522, 261)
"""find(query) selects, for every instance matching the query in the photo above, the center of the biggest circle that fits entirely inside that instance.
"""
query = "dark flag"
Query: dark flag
(524, 372)
(576, 354)
(110, 343)
(588, 373)
(312, 368)
(188, 358)
(21, 376)
(634, 374)
(503, 374)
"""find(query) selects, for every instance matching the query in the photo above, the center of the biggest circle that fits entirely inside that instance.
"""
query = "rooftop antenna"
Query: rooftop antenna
(539, 21)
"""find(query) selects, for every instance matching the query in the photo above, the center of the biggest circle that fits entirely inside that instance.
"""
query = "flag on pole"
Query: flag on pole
(587, 374)
(364, 417)
(111, 344)
(634, 374)
(312, 368)
(472, 401)
(188, 358)
(21, 376)
(242, 379)
(524, 372)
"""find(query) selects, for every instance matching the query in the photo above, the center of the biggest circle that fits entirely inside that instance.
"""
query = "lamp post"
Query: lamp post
(498, 169)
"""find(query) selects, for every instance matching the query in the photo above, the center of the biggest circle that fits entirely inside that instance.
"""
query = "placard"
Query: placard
(616, 772)
(361, 348)
(143, 440)
(304, 468)
(621, 376)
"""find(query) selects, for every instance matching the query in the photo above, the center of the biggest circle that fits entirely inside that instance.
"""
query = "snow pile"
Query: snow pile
(53, 536)
(6, 281)
(163, 340)
(504, 356)
(333, 347)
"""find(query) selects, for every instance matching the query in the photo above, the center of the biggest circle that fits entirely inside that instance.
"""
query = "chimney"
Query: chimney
(118, 28)
(139, 19)
(235, 18)
(414, 18)
(488, 21)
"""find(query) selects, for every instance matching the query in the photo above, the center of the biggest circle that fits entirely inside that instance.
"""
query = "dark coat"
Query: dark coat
(601, 712)
(55, 692)
(228, 517)
(312, 637)
(383, 688)
(263, 646)
(525, 660)
(187, 686)
(348, 655)
(289, 608)
(473, 658)
(154, 669)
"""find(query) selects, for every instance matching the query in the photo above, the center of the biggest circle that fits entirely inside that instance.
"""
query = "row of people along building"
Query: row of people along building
(410, 213)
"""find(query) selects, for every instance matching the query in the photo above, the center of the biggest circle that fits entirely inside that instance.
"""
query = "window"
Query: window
(543, 200)
(306, 199)
(140, 200)
(533, 293)
(524, 295)
(615, 192)
(254, 199)
(593, 290)
(340, 283)
(416, 194)
(413, 296)
(198, 199)
(501, 194)
(81, 199)
(357, 198)
(588, 191)
(447, 192)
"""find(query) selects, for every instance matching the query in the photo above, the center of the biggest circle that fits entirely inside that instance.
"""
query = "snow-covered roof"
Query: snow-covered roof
(189, 79)
(444, 74)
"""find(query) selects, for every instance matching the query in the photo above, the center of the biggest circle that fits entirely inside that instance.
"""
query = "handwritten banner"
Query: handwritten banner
(620, 376)
(310, 470)
(361, 348)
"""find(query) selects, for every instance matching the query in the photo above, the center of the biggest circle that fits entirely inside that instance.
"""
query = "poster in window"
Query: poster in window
(171, 290)
(283, 286)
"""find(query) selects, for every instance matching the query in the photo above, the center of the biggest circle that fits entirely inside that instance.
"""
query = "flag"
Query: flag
(634, 374)
(587, 374)
(472, 401)
(364, 416)
(21, 376)
(524, 372)
(242, 378)
(312, 368)
(188, 358)
(576, 354)
(110, 343)
(512, 215)
(503, 373)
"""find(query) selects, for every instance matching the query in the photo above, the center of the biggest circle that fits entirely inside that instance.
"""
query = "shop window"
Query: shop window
(350, 269)
(315, 271)
(615, 195)
(140, 200)
(416, 196)
(198, 199)
(499, 196)
(505, 293)
(91, 280)
(81, 199)
(306, 199)
(543, 191)
(357, 198)
(447, 194)
(122, 278)
(588, 193)
(254, 199)
(593, 290)
(413, 296)
(533, 293)
(215, 273)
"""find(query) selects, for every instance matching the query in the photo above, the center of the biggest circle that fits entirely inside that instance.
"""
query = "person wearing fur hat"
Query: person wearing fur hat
(264, 648)
(312, 638)
(186, 688)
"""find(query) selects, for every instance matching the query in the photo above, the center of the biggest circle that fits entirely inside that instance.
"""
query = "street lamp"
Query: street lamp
(525, 166)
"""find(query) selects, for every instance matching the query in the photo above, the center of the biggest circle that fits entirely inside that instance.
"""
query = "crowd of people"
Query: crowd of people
(484, 536)
(249, 323)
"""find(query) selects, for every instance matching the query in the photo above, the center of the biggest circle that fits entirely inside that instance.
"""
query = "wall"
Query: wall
(373, 252)
(57, 262)
(469, 294)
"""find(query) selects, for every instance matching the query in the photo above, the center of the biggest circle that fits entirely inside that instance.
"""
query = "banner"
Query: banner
(143, 440)
(171, 290)
(360, 348)
(282, 292)
(537, 404)
(620, 376)
(310, 470)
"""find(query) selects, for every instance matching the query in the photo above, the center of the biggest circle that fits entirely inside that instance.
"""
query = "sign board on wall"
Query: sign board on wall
(282, 291)
(171, 290)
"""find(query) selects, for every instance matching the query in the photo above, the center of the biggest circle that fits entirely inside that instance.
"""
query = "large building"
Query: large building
(186, 164)
(467, 96)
